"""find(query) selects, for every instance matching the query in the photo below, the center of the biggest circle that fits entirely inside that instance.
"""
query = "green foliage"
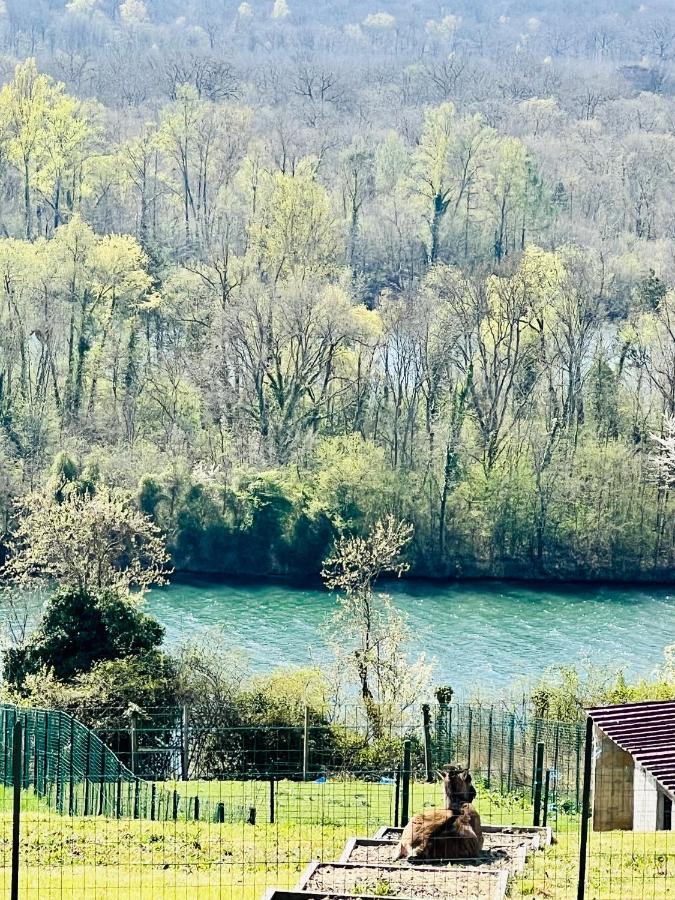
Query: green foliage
(77, 631)
(565, 692)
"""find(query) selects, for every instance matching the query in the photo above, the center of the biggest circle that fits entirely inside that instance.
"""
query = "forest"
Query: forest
(277, 269)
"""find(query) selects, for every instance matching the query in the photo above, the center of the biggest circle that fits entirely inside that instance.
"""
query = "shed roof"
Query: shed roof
(646, 731)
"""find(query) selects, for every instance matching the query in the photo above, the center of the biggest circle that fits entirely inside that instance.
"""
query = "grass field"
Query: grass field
(108, 858)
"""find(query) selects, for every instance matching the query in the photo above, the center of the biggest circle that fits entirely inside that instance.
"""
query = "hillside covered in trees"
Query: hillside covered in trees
(282, 267)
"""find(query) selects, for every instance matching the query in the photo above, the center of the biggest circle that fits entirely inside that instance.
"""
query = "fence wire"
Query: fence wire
(318, 806)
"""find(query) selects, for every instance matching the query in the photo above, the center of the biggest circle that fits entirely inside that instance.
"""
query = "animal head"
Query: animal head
(457, 786)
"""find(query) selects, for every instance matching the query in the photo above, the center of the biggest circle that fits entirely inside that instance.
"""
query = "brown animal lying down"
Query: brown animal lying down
(451, 833)
(441, 834)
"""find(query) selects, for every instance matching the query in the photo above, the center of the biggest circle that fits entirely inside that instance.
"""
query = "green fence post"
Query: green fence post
(578, 766)
(512, 752)
(175, 805)
(185, 749)
(426, 725)
(534, 757)
(197, 810)
(397, 796)
(36, 785)
(45, 757)
(153, 802)
(87, 773)
(538, 782)
(585, 809)
(71, 798)
(305, 746)
(5, 747)
(405, 787)
(17, 742)
(469, 739)
(489, 756)
(133, 738)
(25, 767)
(137, 792)
(59, 779)
(272, 809)
(119, 798)
(547, 787)
(450, 754)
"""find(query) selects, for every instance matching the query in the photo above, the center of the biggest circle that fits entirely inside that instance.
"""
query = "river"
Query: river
(484, 635)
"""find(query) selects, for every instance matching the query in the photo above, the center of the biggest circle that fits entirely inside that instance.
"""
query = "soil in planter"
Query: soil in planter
(444, 882)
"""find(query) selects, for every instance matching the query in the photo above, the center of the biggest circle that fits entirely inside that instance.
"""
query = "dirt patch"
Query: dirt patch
(422, 883)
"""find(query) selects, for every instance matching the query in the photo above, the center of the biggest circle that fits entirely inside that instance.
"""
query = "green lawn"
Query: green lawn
(110, 858)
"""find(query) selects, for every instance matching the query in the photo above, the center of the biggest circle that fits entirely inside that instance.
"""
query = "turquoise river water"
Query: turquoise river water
(482, 635)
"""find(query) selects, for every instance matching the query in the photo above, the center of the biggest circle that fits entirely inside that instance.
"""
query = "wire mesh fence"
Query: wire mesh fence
(320, 806)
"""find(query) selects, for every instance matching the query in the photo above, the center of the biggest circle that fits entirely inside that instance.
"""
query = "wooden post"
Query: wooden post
(426, 724)
(17, 746)
(252, 813)
(305, 747)
(196, 809)
(185, 753)
(538, 782)
(176, 804)
(405, 791)
(585, 809)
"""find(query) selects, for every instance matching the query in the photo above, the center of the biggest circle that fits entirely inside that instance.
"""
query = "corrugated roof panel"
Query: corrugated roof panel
(645, 730)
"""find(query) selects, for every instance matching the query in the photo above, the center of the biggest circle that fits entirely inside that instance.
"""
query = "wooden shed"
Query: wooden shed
(634, 766)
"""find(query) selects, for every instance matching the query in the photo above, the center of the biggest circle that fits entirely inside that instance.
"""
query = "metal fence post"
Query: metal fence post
(45, 755)
(405, 787)
(469, 739)
(426, 724)
(17, 746)
(512, 752)
(538, 782)
(272, 809)
(71, 766)
(489, 756)
(5, 748)
(547, 788)
(153, 802)
(585, 809)
(133, 737)
(185, 744)
(305, 746)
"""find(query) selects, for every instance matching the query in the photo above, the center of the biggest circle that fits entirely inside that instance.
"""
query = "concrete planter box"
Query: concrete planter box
(509, 853)
(447, 882)
(541, 836)
(275, 894)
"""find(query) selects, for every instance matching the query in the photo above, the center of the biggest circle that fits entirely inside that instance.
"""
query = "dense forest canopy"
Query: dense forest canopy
(281, 268)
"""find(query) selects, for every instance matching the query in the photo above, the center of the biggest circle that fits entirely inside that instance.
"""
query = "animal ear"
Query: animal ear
(466, 775)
